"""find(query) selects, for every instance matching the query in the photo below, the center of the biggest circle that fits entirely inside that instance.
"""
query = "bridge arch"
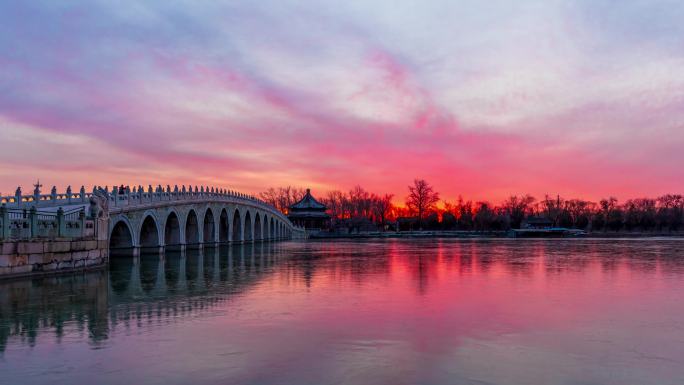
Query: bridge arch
(264, 226)
(121, 236)
(237, 227)
(248, 227)
(258, 231)
(149, 231)
(271, 229)
(224, 227)
(172, 230)
(209, 228)
(191, 228)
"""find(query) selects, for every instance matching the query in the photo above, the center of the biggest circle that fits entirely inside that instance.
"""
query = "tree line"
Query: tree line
(424, 209)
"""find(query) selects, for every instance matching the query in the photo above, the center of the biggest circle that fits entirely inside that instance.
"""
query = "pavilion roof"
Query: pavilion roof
(308, 203)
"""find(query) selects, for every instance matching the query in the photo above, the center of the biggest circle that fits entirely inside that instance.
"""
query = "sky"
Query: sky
(482, 99)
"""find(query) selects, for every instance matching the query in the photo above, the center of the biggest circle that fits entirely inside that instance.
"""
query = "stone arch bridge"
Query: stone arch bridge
(149, 218)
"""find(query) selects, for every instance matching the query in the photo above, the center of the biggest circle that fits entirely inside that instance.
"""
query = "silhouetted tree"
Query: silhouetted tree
(464, 214)
(449, 221)
(639, 213)
(670, 211)
(422, 199)
(552, 208)
(282, 197)
(517, 208)
(608, 208)
(431, 221)
(335, 201)
(484, 216)
(382, 206)
(580, 212)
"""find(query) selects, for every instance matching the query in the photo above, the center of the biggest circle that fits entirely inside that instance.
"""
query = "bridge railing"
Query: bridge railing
(125, 196)
(121, 195)
(54, 199)
(31, 223)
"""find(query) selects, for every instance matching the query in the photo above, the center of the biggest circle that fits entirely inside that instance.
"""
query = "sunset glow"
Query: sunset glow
(583, 99)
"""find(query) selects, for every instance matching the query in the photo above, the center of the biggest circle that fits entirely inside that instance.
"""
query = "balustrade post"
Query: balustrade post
(61, 224)
(83, 194)
(4, 232)
(36, 193)
(115, 194)
(68, 192)
(33, 222)
(82, 219)
(17, 197)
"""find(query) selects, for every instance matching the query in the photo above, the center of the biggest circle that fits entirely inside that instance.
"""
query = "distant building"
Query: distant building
(309, 213)
(538, 227)
(537, 223)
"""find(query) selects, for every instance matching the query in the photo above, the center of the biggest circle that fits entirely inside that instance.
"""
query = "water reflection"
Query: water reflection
(388, 312)
(427, 260)
(174, 284)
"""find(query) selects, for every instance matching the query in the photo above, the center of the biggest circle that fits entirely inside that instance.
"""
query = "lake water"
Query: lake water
(389, 312)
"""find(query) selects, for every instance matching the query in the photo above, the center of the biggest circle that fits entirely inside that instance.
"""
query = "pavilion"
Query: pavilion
(309, 213)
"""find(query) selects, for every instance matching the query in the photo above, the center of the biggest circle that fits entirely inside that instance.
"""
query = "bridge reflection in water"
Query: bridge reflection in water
(152, 288)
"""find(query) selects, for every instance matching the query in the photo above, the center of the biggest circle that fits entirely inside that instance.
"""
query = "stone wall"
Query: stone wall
(38, 256)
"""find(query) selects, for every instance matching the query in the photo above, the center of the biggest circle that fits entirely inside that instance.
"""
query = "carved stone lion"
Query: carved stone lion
(99, 204)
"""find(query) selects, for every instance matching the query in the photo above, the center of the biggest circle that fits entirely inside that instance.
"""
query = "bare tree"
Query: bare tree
(580, 212)
(464, 214)
(517, 208)
(335, 201)
(383, 208)
(670, 213)
(422, 199)
(360, 202)
(282, 197)
(552, 208)
(270, 196)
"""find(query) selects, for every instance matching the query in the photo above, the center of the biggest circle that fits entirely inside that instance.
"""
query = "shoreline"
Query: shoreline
(485, 234)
